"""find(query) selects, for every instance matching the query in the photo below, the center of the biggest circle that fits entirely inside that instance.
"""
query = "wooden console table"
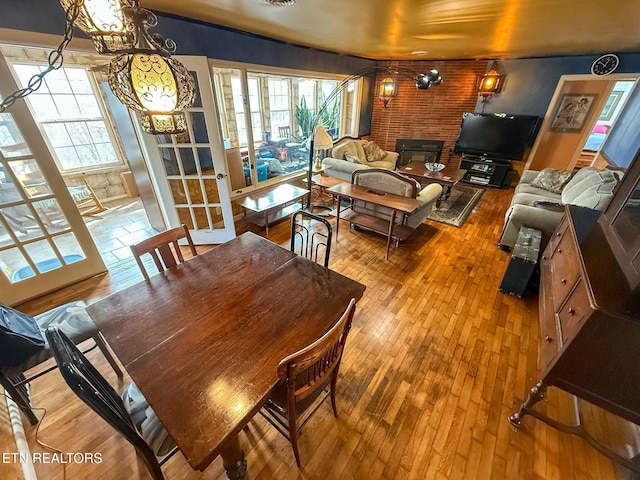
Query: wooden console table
(396, 203)
(589, 328)
(272, 205)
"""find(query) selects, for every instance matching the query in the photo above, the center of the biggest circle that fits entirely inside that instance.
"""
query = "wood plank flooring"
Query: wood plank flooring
(436, 361)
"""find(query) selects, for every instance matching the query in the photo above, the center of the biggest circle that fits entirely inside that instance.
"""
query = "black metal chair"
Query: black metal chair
(308, 377)
(78, 325)
(311, 236)
(130, 414)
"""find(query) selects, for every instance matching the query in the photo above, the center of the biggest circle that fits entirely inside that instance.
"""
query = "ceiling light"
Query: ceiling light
(419, 52)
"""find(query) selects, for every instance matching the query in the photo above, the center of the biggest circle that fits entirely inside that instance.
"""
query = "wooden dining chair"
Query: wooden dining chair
(311, 236)
(308, 377)
(73, 319)
(129, 413)
(159, 247)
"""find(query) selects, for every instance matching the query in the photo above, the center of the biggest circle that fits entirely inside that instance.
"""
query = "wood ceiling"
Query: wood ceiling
(444, 29)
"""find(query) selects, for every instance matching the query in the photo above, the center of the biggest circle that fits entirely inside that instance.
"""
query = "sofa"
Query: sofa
(539, 203)
(349, 155)
(384, 180)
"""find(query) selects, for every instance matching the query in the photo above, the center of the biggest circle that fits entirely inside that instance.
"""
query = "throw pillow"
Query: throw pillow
(373, 152)
(20, 337)
(552, 180)
(547, 205)
(351, 158)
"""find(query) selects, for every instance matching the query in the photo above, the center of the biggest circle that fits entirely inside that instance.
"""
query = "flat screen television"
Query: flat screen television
(503, 137)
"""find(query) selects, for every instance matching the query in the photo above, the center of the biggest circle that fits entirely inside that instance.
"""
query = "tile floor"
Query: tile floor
(123, 223)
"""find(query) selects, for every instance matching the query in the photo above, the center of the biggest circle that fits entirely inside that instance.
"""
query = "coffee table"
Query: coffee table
(447, 177)
(272, 205)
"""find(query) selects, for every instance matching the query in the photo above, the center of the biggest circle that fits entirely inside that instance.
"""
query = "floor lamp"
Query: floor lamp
(321, 140)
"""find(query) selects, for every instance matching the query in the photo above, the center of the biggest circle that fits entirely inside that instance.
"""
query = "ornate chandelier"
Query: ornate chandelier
(105, 21)
(143, 76)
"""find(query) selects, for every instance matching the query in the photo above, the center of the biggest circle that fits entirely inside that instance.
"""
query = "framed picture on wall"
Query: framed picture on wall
(572, 112)
(611, 105)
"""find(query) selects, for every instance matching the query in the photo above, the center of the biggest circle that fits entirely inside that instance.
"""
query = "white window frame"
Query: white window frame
(105, 118)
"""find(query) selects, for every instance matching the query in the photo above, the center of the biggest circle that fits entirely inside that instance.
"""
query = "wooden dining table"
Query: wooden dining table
(202, 340)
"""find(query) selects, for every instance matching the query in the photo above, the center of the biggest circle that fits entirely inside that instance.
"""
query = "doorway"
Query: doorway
(565, 147)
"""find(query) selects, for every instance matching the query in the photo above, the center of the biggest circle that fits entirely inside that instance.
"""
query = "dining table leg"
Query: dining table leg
(233, 460)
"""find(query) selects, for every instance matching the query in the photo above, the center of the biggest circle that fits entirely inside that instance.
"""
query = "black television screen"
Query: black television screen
(496, 136)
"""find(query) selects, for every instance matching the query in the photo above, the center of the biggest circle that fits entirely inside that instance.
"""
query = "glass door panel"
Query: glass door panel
(44, 243)
(189, 169)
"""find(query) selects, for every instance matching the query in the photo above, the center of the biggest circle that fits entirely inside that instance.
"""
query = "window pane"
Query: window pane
(98, 132)
(58, 135)
(57, 81)
(88, 106)
(67, 106)
(71, 115)
(68, 158)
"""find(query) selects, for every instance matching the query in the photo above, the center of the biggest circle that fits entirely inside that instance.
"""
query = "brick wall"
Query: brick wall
(435, 113)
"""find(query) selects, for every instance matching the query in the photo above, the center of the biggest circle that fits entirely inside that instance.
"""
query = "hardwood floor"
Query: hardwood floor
(436, 361)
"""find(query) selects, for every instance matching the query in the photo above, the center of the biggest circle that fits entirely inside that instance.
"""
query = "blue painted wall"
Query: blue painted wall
(530, 83)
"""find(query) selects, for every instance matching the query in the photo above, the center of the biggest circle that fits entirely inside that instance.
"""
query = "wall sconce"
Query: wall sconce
(490, 83)
(387, 91)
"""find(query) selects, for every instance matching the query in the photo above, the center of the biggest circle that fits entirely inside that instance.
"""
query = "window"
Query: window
(283, 110)
(70, 115)
(254, 106)
(279, 103)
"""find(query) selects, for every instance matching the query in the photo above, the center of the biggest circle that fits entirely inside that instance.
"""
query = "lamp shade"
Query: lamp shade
(105, 21)
(153, 84)
(321, 139)
(387, 90)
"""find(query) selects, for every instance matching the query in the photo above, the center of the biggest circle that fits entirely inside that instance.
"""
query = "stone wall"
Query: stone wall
(106, 182)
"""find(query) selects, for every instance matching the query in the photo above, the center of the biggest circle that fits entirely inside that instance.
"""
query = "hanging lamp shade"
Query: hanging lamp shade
(156, 85)
(105, 21)
(387, 91)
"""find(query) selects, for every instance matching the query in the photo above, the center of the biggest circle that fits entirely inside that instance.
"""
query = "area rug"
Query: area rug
(455, 209)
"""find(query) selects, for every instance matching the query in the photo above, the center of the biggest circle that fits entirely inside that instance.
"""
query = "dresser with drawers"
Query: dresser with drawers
(589, 326)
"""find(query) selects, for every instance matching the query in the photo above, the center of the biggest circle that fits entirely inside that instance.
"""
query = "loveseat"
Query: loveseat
(383, 180)
(540, 197)
(350, 154)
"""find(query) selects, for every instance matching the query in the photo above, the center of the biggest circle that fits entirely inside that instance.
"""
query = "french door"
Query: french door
(189, 170)
(44, 243)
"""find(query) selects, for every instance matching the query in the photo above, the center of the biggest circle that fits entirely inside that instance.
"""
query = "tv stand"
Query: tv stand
(485, 171)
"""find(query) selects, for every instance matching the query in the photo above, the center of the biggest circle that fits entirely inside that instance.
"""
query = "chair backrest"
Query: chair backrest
(311, 236)
(284, 131)
(159, 247)
(382, 180)
(92, 388)
(306, 370)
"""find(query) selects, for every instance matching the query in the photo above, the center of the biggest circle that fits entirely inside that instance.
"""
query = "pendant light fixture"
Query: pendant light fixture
(105, 21)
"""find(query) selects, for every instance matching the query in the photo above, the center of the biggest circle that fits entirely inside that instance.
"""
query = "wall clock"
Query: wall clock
(605, 64)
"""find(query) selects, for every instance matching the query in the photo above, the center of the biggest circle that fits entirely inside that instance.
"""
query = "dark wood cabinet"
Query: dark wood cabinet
(589, 323)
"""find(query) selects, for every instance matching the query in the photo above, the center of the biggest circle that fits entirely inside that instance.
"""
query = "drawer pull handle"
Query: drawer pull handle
(572, 310)
(548, 339)
(558, 234)
(559, 250)
(563, 281)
